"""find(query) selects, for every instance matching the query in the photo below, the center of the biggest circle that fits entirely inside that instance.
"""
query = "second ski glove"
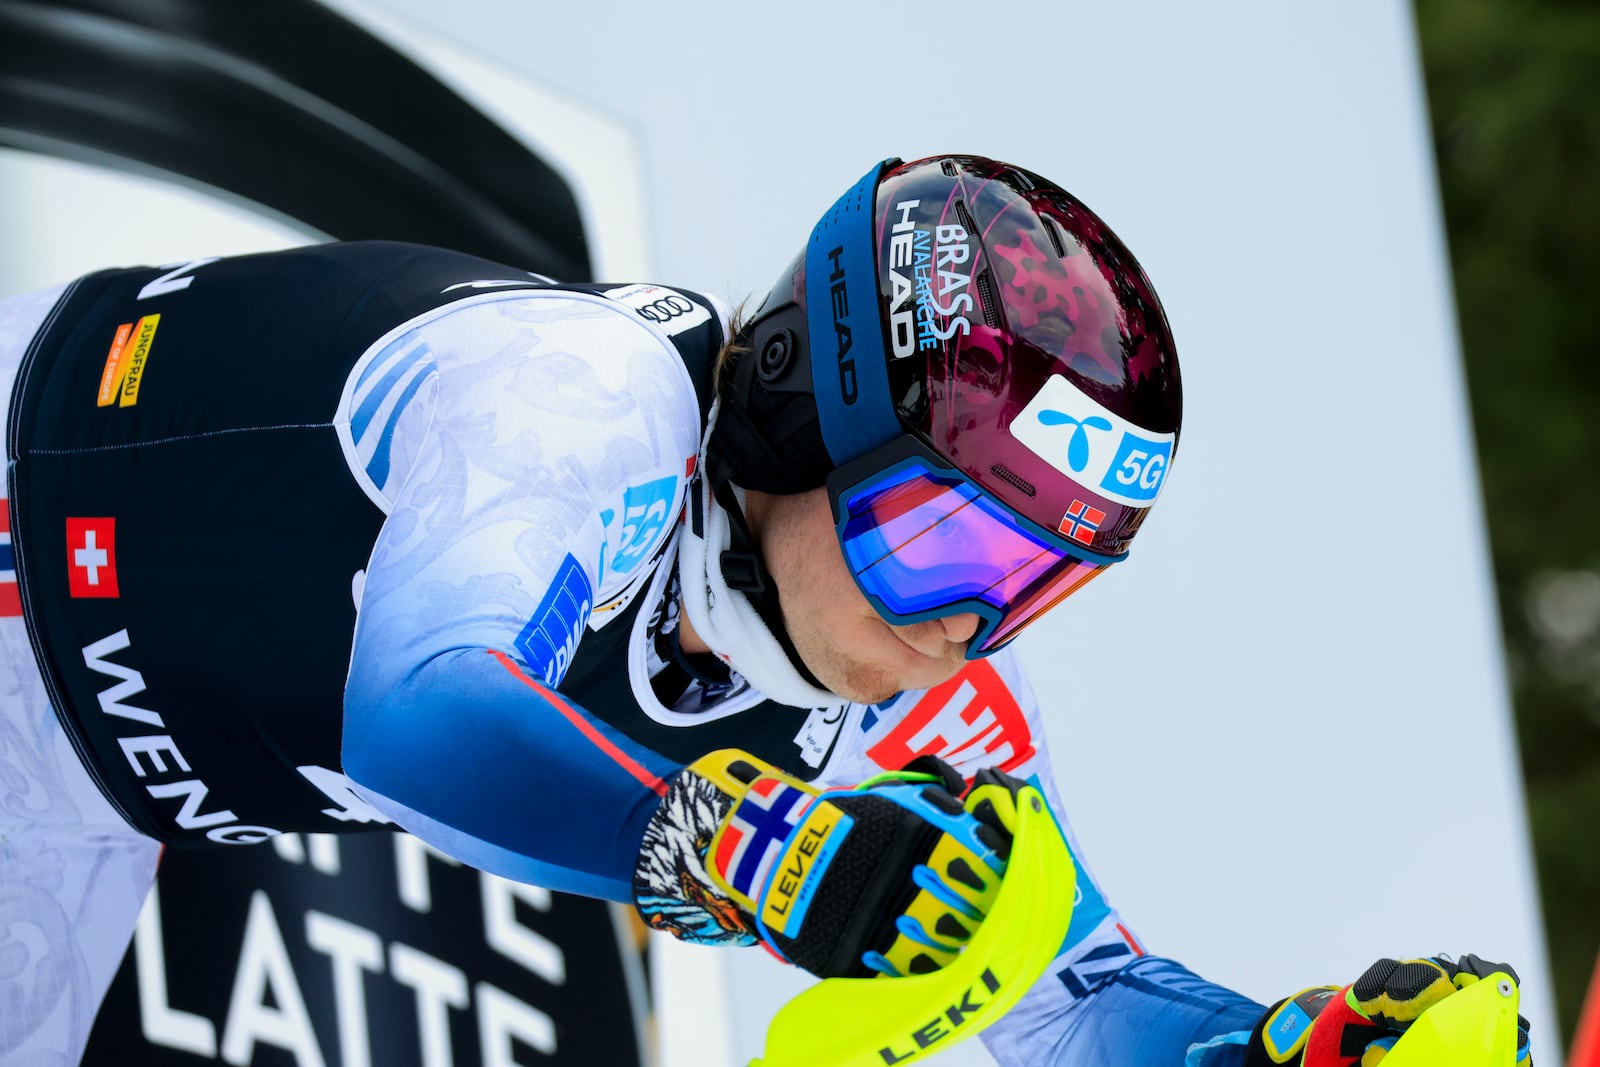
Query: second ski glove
(1355, 1026)
(891, 877)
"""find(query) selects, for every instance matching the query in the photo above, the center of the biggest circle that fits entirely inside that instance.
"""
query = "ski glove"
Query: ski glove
(1355, 1026)
(889, 878)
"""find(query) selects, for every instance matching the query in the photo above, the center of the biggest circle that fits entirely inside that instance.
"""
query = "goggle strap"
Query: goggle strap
(742, 551)
(744, 572)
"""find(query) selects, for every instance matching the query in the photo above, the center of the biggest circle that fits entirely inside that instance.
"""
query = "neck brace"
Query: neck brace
(724, 618)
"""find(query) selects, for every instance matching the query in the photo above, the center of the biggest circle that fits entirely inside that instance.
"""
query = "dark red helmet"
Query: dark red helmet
(985, 311)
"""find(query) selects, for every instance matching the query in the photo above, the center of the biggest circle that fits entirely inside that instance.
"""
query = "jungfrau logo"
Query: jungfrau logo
(124, 367)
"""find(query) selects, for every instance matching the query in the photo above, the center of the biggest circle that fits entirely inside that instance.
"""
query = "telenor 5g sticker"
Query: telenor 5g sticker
(646, 510)
(1092, 446)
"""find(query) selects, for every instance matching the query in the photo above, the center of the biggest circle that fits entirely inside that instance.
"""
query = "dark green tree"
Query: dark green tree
(1514, 91)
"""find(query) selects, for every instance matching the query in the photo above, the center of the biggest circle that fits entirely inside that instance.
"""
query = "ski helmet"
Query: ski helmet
(983, 376)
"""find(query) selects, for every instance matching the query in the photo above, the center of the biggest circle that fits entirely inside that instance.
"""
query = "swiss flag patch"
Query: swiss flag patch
(92, 557)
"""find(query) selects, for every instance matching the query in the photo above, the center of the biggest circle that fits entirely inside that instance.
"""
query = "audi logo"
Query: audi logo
(667, 308)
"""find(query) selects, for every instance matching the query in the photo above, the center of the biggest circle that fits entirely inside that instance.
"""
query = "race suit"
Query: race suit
(368, 533)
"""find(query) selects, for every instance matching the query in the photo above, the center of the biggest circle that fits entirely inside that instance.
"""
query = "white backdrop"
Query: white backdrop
(1282, 730)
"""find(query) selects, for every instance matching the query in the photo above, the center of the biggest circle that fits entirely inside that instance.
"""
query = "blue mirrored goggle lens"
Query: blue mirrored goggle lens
(920, 539)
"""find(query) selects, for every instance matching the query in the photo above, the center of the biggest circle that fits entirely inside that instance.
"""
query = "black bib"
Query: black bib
(187, 530)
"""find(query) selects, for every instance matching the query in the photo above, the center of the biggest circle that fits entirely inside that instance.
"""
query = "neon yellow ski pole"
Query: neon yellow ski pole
(885, 1022)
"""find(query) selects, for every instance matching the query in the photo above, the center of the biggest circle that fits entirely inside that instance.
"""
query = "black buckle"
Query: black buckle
(744, 572)
(697, 507)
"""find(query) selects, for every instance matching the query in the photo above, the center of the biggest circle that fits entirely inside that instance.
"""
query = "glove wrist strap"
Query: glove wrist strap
(672, 889)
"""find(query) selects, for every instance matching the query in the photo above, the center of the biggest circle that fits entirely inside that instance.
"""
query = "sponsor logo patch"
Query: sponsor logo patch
(550, 639)
(971, 722)
(646, 510)
(1159, 979)
(946, 1022)
(124, 369)
(1095, 966)
(1094, 447)
(929, 266)
(92, 557)
(818, 734)
(156, 756)
(794, 884)
(671, 311)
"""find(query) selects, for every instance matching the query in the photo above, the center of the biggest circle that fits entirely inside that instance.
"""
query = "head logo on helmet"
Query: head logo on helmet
(988, 316)
(839, 300)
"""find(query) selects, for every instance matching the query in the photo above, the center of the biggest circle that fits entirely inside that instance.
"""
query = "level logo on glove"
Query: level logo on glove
(890, 878)
(774, 848)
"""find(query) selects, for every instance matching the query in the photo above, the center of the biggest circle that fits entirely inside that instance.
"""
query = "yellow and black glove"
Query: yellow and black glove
(1357, 1025)
(889, 878)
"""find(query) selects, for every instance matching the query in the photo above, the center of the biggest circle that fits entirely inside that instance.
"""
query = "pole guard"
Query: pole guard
(1472, 1027)
(884, 1022)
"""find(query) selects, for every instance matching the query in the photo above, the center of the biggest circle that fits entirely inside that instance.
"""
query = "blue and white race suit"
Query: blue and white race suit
(371, 533)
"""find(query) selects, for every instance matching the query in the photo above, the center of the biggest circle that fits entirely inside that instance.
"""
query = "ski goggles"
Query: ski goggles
(923, 541)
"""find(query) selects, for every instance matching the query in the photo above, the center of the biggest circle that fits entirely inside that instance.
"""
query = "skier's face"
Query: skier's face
(849, 647)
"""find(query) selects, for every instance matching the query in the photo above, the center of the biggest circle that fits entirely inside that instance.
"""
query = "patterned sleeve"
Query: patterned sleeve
(530, 452)
(1104, 999)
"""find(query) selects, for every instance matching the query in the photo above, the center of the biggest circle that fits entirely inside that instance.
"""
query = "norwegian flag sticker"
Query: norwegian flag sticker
(10, 602)
(1081, 521)
(752, 839)
(92, 557)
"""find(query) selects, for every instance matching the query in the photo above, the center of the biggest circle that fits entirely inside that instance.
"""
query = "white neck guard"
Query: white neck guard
(724, 618)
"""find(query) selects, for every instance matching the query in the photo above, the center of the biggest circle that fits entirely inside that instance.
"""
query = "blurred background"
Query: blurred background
(1346, 703)
(1514, 96)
